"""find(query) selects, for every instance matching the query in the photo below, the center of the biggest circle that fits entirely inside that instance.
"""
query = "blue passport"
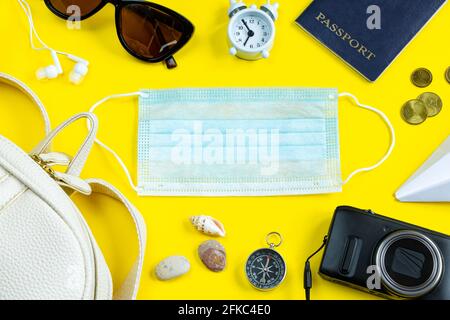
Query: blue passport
(367, 34)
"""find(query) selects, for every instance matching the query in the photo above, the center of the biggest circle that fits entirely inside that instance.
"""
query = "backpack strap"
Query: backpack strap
(80, 158)
(7, 79)
(130, 287)
(76, 165)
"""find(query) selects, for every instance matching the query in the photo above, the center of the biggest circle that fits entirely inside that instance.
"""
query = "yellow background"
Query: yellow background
(296, 60)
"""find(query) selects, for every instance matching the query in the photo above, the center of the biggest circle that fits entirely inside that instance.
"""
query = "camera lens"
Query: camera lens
(410, 264)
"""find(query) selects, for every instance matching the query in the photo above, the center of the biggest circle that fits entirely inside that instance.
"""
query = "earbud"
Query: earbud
(79, 71)
(49, 72)
(52, 71)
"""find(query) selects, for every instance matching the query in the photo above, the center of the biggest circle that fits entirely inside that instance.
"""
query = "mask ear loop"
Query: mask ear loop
(106, 147)
(391, 128)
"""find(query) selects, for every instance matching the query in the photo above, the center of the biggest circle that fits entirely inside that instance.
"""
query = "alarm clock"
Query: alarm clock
(251, 31)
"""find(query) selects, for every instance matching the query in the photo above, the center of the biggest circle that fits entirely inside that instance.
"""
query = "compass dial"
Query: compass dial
(265, 269)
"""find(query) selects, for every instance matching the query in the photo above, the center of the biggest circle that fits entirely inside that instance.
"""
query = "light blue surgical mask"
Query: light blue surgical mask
(240, 142)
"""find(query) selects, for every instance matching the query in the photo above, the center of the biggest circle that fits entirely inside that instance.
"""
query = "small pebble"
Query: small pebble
(213, 255)
(172, 267)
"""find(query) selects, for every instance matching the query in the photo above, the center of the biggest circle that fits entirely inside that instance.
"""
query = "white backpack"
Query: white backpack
(47, 250)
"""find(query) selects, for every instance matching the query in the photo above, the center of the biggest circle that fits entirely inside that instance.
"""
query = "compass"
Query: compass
(265, 268)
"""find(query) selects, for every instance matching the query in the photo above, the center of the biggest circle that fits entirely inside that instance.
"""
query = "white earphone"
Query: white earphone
(79, 71)
(54, 70)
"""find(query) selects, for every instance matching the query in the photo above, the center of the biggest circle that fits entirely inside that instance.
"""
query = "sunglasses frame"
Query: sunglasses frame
(188, 27)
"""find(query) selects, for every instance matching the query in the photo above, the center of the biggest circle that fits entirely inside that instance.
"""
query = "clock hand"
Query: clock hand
(250, 32)
(245, 43)
(245, 24)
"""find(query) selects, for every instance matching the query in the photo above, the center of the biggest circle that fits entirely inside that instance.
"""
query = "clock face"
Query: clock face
(265, 269)
(251, 31)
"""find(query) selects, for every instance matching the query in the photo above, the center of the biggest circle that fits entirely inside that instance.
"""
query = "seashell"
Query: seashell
(208, 225)
(172, 267)
(213, 255)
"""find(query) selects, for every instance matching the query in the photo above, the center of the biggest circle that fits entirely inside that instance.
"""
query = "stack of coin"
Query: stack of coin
(426, 105)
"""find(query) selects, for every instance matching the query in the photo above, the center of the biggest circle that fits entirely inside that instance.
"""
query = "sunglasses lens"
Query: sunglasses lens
(69, 7)
(149, 32)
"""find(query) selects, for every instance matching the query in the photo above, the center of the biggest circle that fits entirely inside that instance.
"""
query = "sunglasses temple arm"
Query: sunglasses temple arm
(170, 61)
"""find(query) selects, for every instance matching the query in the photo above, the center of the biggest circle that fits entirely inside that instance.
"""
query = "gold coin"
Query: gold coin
(414, 112)
(421, 77)
(433, 103)
(447, 74)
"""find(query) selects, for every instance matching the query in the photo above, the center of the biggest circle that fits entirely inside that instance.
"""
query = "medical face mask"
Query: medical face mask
(240, 142)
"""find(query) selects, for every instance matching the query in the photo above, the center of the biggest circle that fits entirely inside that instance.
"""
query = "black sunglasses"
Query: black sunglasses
(148, 31)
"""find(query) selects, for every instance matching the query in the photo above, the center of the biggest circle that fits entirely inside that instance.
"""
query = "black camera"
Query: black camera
(386, 257)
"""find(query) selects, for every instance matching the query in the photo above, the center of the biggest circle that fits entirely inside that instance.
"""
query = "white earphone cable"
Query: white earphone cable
(388, 123)
(26, 8)
(33, 32)
(106, 147)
